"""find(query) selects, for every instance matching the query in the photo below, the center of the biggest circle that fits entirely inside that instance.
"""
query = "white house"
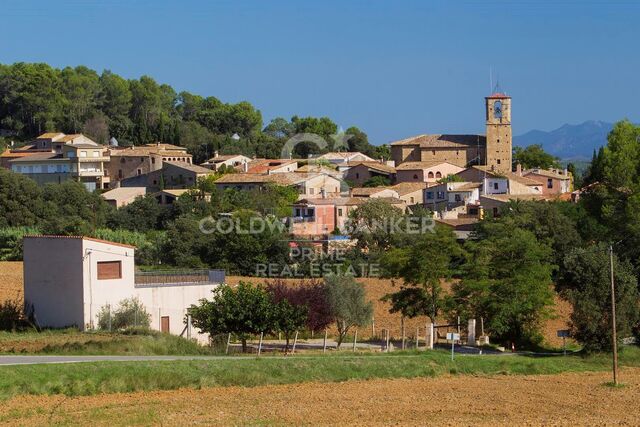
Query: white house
(69, 279)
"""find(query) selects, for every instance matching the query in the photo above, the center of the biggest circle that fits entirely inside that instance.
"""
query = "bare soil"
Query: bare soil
(561, 400)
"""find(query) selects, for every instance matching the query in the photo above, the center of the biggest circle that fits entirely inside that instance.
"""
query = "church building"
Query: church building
(493, 149)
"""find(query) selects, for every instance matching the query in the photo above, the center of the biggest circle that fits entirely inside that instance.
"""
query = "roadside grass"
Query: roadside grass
(72, 342)
(108, 377)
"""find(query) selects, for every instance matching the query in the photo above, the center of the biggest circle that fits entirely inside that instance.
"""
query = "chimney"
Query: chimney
(381, 160)
(518, 169)
(323, 193)
(245, 167)
(215, 154)
(566, 172)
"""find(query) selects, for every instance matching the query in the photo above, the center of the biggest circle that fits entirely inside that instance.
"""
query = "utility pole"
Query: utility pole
(613, 320)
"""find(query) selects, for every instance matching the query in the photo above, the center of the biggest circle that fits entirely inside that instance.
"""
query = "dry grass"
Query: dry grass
(565, 399)
(11, 281)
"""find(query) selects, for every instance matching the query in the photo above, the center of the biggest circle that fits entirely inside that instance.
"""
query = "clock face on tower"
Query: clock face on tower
(497, 110)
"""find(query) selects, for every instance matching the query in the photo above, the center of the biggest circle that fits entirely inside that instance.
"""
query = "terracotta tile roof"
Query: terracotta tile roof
(420, 165)
(190, 167)
(50, 135)
(121, 193)
(443, 141)
(39, 157)
(458, 222)
(286, 178)
(367, 191)
(376, 166)
(265, 165)
(223, 158)
(546, 173)
(404, 188)
(16, 154)
(316, 168)
(93, 239)
(498, 95)
(163, 146)
(509, 175)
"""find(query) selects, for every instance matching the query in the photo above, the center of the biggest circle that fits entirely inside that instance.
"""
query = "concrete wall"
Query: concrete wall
(53, 280)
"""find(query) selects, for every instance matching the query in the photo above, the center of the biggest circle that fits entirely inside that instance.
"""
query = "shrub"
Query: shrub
(10, 315)
(129, 314)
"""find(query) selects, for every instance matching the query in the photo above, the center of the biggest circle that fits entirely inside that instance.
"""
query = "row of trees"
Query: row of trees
(248, 310)
(37, 97)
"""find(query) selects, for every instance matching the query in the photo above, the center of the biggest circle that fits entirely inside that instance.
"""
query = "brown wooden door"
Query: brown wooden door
(164, 324)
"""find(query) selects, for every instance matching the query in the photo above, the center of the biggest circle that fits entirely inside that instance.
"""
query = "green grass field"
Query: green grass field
(107, 377)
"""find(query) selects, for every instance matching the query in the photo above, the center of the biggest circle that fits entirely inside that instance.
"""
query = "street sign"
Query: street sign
(453, 336)
(563, 333)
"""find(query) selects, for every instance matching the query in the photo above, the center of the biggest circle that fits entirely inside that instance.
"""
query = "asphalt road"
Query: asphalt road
(37, 360)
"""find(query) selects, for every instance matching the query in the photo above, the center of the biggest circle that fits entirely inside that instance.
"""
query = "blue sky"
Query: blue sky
(392, 68)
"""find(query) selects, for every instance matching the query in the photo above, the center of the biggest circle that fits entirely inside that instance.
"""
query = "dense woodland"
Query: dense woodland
(35, 98)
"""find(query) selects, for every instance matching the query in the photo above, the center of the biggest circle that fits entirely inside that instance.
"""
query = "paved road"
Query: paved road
(36, 360)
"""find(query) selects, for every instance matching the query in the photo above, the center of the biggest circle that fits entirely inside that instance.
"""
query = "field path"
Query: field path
(566, 399)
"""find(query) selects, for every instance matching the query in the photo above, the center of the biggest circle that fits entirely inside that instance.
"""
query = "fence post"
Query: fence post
(458, 325)
(295, 341)
(431, 330)
(109, 306)
(388, 338)
(188, 326)
(324, 343)
(417, 337)
(260, 343)
(228, 342)
(402, 327)
(355, 338)
(373, 327)
(471, 332)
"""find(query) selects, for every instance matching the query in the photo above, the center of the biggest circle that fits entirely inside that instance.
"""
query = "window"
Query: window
(498, 161)
(139, 171)
(458, 198)
(412, 200)
(440, 194)
(340, 212)
(297, 212)
(497, 109)
(415, 176)
(495, 185)
(122, 160)
(153, 160)
(83, 153)
(438, 175)
(430, 175)
(96, 153)
(312, 190)
(109, 270)
(357, 175)
(119, 173)
(429, 195)
(495, 211)
(549, 183)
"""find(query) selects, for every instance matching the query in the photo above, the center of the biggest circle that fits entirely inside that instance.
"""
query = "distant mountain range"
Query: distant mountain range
(569, 142)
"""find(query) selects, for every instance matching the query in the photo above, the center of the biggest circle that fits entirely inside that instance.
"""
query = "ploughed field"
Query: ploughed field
(11, 287)
(564, 399)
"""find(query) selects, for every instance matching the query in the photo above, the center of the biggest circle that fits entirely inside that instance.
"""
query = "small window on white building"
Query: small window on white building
(108, 270)
(549, 183)
(495, 185)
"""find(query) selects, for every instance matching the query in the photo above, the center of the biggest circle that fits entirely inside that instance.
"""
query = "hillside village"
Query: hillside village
(460, 178)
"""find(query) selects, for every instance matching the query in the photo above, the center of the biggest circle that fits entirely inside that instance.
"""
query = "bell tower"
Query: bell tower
(499, 137)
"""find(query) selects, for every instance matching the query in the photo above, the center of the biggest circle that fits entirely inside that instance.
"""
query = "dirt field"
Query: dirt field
(567, 399)
(11, 287)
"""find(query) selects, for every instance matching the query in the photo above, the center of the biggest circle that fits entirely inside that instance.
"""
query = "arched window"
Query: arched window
(415, 176)
(430, 175)
(438, 175)
(497, 109)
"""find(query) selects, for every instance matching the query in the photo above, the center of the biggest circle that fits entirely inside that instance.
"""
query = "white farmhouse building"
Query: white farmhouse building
(68, 279)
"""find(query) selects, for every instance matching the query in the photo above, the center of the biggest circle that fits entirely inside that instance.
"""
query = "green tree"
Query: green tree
(288, 318)
(507, 280)
(377, 181)
(422, 267)
(243, 311)
(534, 156)
(349, 307)
(589, 270)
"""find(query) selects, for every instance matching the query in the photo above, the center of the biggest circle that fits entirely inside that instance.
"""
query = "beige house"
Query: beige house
(425, 171)
(231, 160)
(131, 162)
(412, 193)
(308, 185)
(68, 280)
(373, 192)
(122, 196)
(59, 157)
(495, 182)
(361, 172)
(269, 166)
